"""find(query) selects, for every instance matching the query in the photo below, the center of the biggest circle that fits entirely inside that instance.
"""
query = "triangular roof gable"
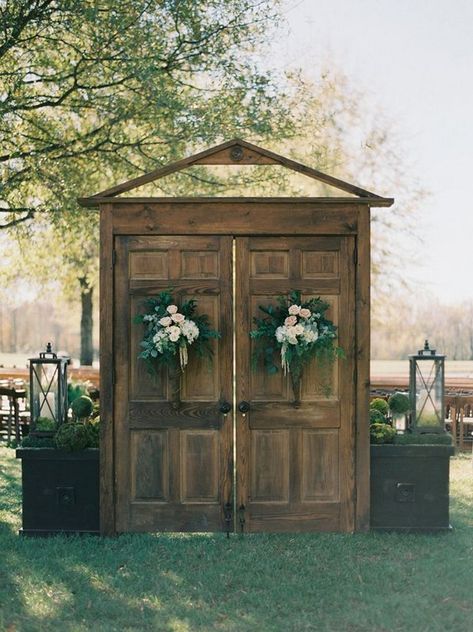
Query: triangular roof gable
(235, 152)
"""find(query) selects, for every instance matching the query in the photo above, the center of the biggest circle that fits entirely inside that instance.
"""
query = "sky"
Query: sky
(414, 58)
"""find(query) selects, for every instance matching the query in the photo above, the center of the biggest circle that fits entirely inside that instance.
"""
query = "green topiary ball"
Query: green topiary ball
(380, 404)
(82, 407)
(382, 433)
(72, 437)
(399, 404)
(93, 428)
(376, 417)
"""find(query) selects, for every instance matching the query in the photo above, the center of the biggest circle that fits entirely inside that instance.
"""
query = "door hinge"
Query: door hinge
(228, 516)
(355, 254)
(241, 517)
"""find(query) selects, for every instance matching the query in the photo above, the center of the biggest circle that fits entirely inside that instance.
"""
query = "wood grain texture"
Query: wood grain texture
(362, 311)
(95, 202)
(347, 328)
(290, 461)
(296, 469)
(107, 498)
(170, 459)
(122, 369)
(242, 382)
(226, 218)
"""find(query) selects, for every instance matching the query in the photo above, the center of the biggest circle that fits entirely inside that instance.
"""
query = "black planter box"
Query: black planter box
(409, 487)
(60, 491)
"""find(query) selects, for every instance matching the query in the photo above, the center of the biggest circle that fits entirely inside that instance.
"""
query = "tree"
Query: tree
(93, 93)
(122, 88)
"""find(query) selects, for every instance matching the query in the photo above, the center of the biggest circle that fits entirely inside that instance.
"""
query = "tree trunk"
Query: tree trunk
(86, 322)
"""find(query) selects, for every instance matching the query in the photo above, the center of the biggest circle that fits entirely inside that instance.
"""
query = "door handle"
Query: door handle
(225, 407)
(243, 407)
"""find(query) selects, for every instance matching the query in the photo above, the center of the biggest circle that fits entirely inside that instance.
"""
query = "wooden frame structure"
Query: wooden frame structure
(346, 219)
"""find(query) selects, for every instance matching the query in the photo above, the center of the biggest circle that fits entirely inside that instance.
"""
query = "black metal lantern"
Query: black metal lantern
(426, 389)
(48, 391)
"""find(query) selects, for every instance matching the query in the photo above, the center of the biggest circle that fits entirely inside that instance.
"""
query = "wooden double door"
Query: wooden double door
(264, 465)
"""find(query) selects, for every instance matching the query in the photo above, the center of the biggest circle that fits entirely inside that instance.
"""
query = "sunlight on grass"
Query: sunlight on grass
(203, 582)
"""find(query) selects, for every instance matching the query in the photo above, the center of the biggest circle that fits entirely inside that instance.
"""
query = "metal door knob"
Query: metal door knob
(225, 407)
(243, 407)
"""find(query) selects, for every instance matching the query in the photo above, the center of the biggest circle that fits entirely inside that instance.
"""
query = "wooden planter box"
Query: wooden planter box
(409, 487)
(60, 491)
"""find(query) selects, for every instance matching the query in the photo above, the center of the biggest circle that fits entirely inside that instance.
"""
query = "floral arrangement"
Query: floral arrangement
(171, 330)
(300, 331)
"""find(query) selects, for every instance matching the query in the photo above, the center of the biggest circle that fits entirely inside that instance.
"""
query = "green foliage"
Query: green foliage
(75, 390)
(399, 404)
(382, 433)
(317, 340)
(410, 438)
(31, 441)
(380, 404)
(376, 417)
(44, 424)
(92, 92)
(165, 351)
(72, 437)
(93, 428)
(82, 407)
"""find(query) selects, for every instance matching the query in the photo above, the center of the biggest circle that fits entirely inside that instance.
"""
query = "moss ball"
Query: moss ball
(382, 433)
(376, 417)
(82, 407)
(380, 404)
(399, 404)
(72, 437)
(93, 428)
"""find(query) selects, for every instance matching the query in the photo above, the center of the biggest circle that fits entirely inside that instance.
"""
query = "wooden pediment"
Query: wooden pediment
(236, 152)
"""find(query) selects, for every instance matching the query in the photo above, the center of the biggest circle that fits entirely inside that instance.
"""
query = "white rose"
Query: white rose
(172, 309)
(174, 333)
(280, 334)
(165, 321)
(294, 310)
(305, 313)
(178, 318)
(190, 330)
(298, 330)
(310, 336)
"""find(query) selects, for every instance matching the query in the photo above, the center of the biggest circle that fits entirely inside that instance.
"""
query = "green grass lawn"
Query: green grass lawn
(361, 582)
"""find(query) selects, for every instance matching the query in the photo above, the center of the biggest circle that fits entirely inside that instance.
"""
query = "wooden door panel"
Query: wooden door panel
(295, 466)
(150, 465)
(200, 466)
(270, 464)
(173, 466)
(320, 472)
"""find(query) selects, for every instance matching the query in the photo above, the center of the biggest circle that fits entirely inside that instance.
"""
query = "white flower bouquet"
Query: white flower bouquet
(171, 331)
(300, 331)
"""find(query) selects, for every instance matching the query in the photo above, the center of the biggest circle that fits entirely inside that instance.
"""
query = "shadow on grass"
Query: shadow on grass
(180, 582)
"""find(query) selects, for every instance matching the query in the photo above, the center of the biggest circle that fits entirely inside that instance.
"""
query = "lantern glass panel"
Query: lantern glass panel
(429, 394)
(45, 391)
